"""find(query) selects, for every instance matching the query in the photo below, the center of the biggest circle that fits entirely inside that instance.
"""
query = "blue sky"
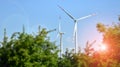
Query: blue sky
(32, 13)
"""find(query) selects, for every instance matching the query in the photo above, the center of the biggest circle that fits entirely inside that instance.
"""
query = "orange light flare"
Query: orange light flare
(103, 47)
(102, 51)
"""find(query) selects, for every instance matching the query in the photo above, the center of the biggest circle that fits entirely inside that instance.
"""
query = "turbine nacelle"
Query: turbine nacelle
(61, 33)
(75, 21)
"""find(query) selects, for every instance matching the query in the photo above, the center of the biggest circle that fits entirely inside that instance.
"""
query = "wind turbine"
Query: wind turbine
(60, 34)
(75, 25)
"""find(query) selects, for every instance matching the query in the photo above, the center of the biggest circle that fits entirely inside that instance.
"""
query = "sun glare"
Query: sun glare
(103, 47)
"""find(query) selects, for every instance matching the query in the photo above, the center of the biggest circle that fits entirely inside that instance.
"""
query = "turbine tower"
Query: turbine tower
(60, 34)
(75, 25)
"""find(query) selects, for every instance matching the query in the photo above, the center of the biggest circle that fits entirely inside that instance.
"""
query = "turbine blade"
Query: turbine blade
(59, 30)
(86, 17)
(59, 27)
(57, 37)
(66, 13)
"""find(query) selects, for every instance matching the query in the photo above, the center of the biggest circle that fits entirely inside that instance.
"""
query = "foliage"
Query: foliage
(24, 50)
(92, 58)
(111, 37)
(67, 59)
(27, 50)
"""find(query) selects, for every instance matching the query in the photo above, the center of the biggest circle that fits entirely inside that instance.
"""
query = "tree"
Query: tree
(111, 37)
(67, 59)
(23, 50)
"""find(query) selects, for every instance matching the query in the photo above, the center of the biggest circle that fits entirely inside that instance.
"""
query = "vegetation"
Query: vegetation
(92, 58)
(111, 37)
(27, 50)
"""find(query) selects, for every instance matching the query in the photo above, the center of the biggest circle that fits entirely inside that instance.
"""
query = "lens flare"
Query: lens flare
(103, 47)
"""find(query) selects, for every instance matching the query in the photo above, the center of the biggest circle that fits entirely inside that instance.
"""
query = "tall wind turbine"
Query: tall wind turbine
(75, 25)
(60, 34)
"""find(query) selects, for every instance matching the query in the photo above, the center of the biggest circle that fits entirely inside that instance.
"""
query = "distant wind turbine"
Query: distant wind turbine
(60, 34)
(75, 25)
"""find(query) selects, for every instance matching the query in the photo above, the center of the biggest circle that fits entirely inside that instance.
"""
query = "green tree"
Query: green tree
(4, 51)
(67, 59)
(26, 50)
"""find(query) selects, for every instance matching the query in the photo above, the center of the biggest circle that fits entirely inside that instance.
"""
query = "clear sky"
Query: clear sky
(32, 13)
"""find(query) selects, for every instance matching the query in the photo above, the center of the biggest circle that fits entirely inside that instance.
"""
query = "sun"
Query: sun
(102, 47)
